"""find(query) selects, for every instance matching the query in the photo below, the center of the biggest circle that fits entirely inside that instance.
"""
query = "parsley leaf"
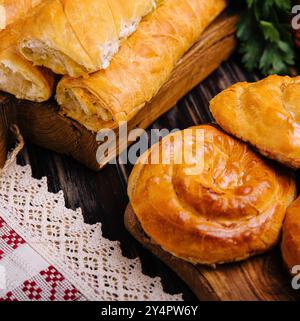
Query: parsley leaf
(265, 35)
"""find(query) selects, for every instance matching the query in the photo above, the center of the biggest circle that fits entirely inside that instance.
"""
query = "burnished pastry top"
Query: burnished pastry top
(226, 205)
(266, 114)
(290, 245)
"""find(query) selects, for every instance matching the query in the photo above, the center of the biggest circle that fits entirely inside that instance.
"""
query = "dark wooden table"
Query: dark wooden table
(102, 196)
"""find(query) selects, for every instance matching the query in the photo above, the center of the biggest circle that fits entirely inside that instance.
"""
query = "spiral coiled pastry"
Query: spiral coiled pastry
(266, 114)
(290, 246)
(225, 208)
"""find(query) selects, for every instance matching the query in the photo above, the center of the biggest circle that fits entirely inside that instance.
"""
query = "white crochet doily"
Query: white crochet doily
(93, 264)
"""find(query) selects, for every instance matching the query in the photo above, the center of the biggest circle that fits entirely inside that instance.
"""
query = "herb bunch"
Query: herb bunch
(265, 35)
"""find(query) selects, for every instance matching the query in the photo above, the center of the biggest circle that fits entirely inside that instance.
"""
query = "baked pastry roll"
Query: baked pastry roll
(266, 114)
(143, 64)
(225, 204)
(12, 10)
(290, 246)
(77, 37)
(17, 75)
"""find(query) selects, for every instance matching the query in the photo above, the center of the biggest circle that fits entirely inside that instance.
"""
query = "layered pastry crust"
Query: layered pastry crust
(230, 209)
(17, 75)
(12, 10)
(290, 246)
(143, 64)
(77, 37)
(266, 114)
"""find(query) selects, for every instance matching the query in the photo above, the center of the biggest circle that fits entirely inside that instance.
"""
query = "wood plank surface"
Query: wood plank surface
(103, 198)
(41, 124)
(260, 278)
(7, 119)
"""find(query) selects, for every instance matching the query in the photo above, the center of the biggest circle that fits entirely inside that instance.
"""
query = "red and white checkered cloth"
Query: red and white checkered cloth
(26, 276)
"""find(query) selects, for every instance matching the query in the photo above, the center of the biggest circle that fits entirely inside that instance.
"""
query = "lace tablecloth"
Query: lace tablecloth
(47, 252)
(26, 276)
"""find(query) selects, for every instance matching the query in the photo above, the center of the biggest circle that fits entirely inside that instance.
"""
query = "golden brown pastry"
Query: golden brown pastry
(17, 75)
(231, 208)
(290, 246)
(143, 64)
(266, 114)
(77, 37)
(12, 10)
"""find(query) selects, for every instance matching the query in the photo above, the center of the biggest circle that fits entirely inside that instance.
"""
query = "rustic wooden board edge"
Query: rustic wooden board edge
(42, 125)
(208, 284)
(183, 269)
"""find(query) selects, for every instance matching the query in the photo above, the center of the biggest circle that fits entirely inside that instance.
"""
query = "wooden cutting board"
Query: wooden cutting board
(42, 125)
(259, 278)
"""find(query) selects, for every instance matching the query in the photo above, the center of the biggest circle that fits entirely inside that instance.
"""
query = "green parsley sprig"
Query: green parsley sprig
(265, 35)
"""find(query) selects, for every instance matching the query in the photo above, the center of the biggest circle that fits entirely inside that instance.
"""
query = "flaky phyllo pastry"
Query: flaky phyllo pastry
(290, 246)
(229, 210)
(17, 75)
(143, 64)
(77, 37)
(12, 10)
(265, 114)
